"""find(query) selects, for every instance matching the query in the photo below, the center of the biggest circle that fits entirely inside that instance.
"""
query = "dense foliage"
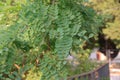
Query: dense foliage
(8, 12)
(111, 10)
(41, 38)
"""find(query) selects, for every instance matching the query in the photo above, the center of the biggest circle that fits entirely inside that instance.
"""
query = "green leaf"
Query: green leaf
(63, 45)
(82, 33)
(91, 35)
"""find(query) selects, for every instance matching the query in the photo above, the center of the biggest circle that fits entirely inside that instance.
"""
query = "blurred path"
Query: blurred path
(115, 68)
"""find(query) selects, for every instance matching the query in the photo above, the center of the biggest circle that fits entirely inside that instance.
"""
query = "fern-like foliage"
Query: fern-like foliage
(43, 36)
